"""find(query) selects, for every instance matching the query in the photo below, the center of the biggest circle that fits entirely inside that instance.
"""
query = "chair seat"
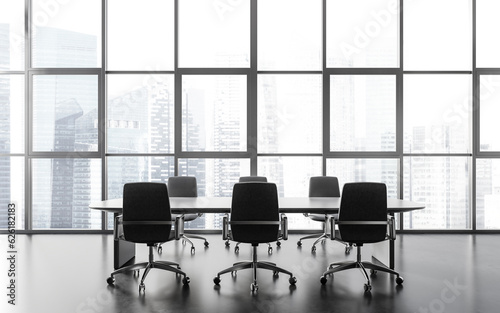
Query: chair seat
(321, 217)
(152, 241)
(256, 234)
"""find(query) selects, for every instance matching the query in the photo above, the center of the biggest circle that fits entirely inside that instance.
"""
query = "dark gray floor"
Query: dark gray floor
(67, 273)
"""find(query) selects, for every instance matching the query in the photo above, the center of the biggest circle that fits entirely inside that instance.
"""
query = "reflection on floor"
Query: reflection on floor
(67, 273)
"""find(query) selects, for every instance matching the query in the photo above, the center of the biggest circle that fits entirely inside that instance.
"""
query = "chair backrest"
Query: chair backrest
(363, 202)
(146, 201)
(253, 179)
(324, 186)
(255, 201)
(182, 186)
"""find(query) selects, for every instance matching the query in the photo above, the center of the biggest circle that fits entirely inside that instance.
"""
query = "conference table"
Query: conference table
(124, 252)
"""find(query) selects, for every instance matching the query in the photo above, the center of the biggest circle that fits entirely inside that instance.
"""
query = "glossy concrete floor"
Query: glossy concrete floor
(67, 273)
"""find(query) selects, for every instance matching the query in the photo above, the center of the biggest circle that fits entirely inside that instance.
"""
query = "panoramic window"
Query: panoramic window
(136, 46)
(286, 89)
(12, 40)
(434, 39)
(221, 37)
(289, 35)
(362, 113)
(214, 113)
(289, 113)
(140, 113)
(65, 113)
(66, 34)
(489, 110)
(363, 33)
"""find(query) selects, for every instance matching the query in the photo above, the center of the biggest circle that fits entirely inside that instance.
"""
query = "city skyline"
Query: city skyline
(140, 121)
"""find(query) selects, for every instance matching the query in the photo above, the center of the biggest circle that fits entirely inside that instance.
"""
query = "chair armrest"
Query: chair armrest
(118, 229)
(255, 223)
(179, 226)
(284, 227)
(136, 223)
(119, 222)
(362, 222)
(225, 227)
(391, 228)
(391, 225)
(332, 222)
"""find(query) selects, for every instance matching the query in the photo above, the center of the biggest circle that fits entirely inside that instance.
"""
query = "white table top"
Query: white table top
(327, 205)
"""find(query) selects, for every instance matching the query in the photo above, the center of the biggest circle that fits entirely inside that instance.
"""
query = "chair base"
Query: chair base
(254, 264)
(147, 266)
(186, 238)
(322, 237)
(269, 247)
(363, 265)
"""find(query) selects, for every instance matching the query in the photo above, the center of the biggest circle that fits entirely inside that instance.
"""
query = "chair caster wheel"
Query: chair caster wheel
(227, 243)
(399, 280)
(186, 280)
(373, 272)
(206, 244)
(160, 249)
(278, 244)
(313, 249)
(292, 281)
(236, 249)
(347, 250)
(323, 280)
(110, 280)
(368, 288)
(142, 288)
(270, 250)
(192, 250)
(299, 243)
(254, 287)
(217, 281)
(276, 274)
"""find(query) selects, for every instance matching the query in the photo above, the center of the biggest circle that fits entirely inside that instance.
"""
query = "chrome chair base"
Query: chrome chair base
(147, 266)
(322, 237)
(254, 264)
(362, 265)
(269, 247)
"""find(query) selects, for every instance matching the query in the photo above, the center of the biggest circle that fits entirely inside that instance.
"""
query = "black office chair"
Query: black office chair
(184, 186)
(322, 186)
(363, 219)
(246, 179)
(255, 219)
(146, 219)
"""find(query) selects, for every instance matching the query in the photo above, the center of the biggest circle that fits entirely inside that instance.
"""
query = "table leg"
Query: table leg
(123, 252)
(383, 252)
